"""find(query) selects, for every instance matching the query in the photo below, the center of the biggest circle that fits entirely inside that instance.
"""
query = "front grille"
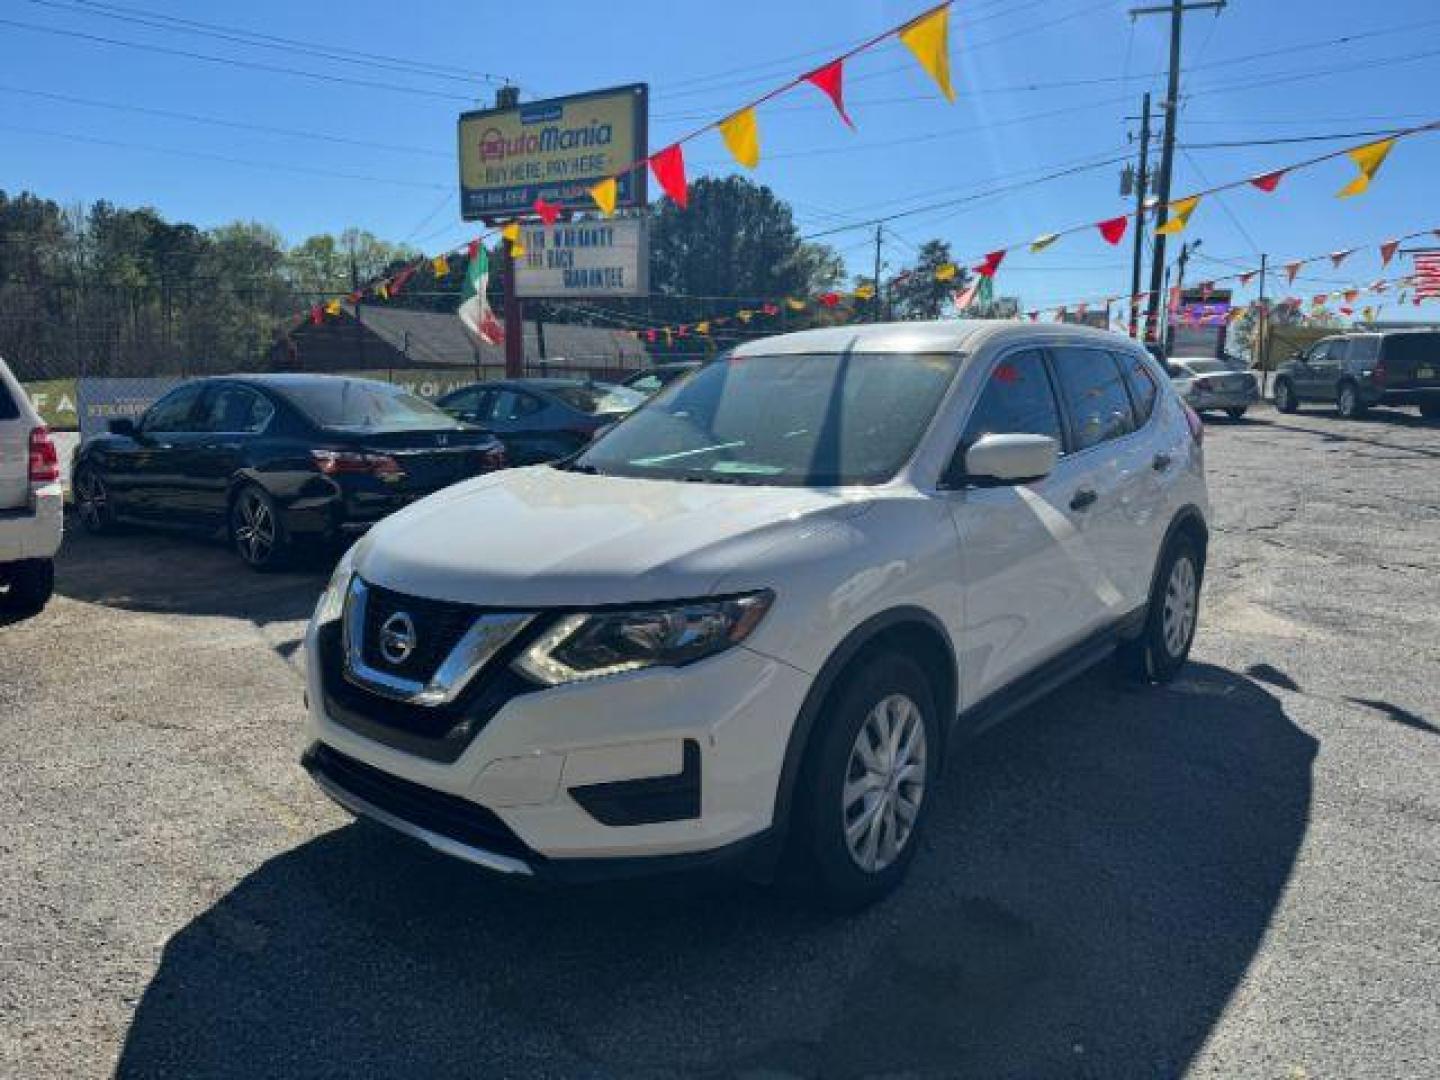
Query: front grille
(439, 626)
(447, 815)
(439, 732)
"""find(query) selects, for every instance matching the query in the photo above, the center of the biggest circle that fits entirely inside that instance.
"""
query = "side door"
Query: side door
(151, 473)
(233, 418)
(1307, 381)
(1327, 371)
(517, 417)
(1025, 561)
(1116, 490)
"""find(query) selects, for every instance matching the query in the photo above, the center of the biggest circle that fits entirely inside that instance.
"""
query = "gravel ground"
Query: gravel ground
(1235, 876)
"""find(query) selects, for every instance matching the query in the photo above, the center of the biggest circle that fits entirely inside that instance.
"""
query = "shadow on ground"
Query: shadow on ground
(1097, 877)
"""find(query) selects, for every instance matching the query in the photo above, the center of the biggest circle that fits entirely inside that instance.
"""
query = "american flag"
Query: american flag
(1427, 275)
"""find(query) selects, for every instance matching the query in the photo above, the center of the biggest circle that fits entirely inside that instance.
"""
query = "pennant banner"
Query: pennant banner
(1179, 216)
(831, 80)
(928, 37)
(741, 133)
(668, 165)
(1368, 160)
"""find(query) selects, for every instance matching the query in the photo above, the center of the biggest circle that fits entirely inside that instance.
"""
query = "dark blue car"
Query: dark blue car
(541, 419)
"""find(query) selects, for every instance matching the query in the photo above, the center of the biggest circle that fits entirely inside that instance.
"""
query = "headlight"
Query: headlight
(332, 600)
(607, 643)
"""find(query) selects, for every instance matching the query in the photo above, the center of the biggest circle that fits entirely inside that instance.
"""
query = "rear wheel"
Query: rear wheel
(1235, 414)
(1285, 399)
(1164, 644)
(92, 502)
(256, 531)
(1347, 401)
(869, 771)
(26, 586)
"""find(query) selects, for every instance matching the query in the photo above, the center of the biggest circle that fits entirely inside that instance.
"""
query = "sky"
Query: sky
(1043, 86)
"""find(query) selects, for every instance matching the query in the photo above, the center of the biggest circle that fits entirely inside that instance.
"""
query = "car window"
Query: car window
(506, 404)
(175, 411)
(1143, 387)
(1017, 400)
(1339, 349)
(237, 409)
(463, 402)
(1095, 396)
(1364, 350)
(600, 399)
(1406, 352)
(646, 384)
(9, 410)
(362, 405)
(1319, 351)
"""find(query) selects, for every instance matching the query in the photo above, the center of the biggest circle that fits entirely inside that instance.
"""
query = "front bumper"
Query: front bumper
(645, 771)
(33, 531)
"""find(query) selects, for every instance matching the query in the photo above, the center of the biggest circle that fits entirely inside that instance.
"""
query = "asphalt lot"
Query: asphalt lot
(1236, 876)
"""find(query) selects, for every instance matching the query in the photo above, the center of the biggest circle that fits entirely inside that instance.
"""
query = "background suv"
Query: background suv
(31, 502)
(1355, 371)
(750, 621)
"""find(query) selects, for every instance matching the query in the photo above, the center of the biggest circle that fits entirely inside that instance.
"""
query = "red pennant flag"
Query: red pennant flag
(831, 80)
(1114, 230)
(1347, 311)
(650, 336)
(681, 331)
(1387, 252)
(771, 310)
(317, 315)
(991, 264)
(398, 281)
(356, 295)
(1291, 269)
(1246, 278)
(1269, 182)
(830, 299)
(472, 249)
(549, 213)
(1338, 257)
(668, 165)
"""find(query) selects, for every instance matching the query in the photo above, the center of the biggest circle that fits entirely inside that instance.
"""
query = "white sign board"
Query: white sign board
(584, 258)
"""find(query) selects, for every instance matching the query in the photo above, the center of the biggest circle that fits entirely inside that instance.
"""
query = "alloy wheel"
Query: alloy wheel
(254, 529)
(1347, 401)
(1181, 600)
(884, 783)
(92, 500)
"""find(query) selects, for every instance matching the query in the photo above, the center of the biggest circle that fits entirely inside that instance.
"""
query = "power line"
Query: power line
(255, 39)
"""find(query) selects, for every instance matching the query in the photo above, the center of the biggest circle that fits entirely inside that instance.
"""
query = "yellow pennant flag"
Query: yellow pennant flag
(332, 308)
(383, 291)
(745, 315)
(605, 193)
(946, 272)
(794, 305)
(864, 292)
(702, 328)
(742, 137)
(1040, 243)
(1179, 215)
(511, 232)
(1368, 160)
(928, 37)
(440, 265)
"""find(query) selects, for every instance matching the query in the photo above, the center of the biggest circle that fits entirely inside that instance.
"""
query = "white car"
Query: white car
(750, 621)
(31, 503)
(1205, 384)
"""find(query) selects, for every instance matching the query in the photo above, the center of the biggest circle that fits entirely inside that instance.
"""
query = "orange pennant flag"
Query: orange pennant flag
(928, 37)
(1368, 160)
(741, 133)
(1291, 269)
(605, 194)
(1179, 215)
(1387, 252)
(332, 308)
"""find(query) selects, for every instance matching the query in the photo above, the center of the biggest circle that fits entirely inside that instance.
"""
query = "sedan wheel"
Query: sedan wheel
(92, 502)
(255, 529)
(884, 783)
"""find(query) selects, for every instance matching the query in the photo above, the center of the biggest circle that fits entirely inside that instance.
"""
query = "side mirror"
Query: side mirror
(124, 426)
(1001, 460)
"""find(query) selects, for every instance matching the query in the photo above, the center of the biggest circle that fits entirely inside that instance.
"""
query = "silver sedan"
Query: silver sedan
(1210, 384)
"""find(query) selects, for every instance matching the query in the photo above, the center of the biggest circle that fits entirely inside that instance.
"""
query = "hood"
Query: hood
(544, 537)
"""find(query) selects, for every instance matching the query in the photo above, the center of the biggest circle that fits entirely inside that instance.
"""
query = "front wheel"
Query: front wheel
(256, 531)
(1285, 399)
(1347, 401)
(92, 502)
(1163, 646)
(26, 586)
(1235, 414)
(866, 786)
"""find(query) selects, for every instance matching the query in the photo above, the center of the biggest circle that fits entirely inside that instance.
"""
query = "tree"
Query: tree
(916, 293)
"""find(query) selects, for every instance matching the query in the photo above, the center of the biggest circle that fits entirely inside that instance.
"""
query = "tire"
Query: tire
(1285, 399)
(92, 502)
(838, 859)
(1236, 414)
(29, 584)
(1162, 648)
(256, 532)
(1347, 401)
(1430, 410)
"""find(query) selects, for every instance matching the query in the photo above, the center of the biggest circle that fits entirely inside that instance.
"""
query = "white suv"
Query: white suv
(31, 503)
(753, 617)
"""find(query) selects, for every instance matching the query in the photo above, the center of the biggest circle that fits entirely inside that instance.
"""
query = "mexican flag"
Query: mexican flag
(474, 310)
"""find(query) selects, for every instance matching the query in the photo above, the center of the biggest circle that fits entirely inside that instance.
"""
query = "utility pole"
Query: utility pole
(1186, 250)
(1176, 9)
(1262, 327)
(879, 303)
(1142, 187)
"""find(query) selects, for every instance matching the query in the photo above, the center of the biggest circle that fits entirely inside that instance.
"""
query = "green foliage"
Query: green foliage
(914, 293)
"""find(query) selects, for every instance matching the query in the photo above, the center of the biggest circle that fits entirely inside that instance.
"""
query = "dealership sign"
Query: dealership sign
(585, 258)
(555, 150)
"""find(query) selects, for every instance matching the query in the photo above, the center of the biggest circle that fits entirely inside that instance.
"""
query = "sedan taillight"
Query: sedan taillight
(355, 463)
(44, 459)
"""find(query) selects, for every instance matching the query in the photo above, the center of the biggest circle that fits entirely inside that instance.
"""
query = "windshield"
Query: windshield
(600, 399)
(362, 405)
(814, 420)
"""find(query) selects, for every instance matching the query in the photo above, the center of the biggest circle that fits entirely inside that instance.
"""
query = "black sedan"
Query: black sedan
(275, 461)
(542, 419)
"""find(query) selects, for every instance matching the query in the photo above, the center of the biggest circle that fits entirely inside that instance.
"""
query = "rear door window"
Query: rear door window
(1095, 396)
(1363, 351)
(237, 410)
(1143, 387)
(1017, 400)
(1406, 352)
(9, 410)
(175, 411)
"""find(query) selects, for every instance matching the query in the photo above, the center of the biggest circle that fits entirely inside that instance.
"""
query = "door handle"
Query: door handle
(1161, 462)
(1083, 499)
